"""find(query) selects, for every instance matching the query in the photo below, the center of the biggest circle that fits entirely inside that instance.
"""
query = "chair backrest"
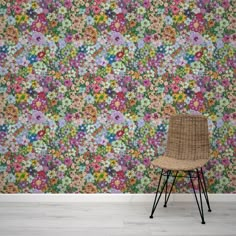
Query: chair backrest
(188, 137)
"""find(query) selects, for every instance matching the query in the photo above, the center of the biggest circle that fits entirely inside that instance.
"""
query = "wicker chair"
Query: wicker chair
(187, 150)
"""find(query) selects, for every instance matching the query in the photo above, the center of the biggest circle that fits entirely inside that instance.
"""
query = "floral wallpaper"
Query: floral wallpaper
(87, 89)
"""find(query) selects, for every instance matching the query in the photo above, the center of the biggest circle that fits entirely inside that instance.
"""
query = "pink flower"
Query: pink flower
(68, 83)
(117, 184)
(96, 9)
(146, 3)
(17, 9)
(68, 161)
(96, 166)
(196, 104)
(175, 88)
(39, 104)
(17, 88)
(38, 183)
(117, 104)
(17, 166)
(96, 88)
(174, 9)
(68, 3)
(196, 26)
(146, 83)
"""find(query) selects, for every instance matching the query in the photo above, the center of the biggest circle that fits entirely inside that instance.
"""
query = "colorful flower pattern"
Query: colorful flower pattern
(87, 88)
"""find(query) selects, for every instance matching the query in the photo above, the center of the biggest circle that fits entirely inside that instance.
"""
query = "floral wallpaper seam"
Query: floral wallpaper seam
(87, 89)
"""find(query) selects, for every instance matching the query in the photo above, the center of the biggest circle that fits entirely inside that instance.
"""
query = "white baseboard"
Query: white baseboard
(108, 198)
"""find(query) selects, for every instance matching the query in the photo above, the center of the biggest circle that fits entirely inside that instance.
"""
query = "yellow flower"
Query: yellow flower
(100, 97)
(134, 117)
(22, 97)
(134, 38)
(22, 18)
(55, 38)
(108, 69)
(101, 18)
(56, 117)
(187, 69)
(108, 148)
(113, 162)
(29, 148)
(152, 53)
(34, 162)
(152, 131)
(179, 97)
(113, 83)
(231, 52)
(100, 176)
(30, 69)
(113, 5)
(213, 117)
(34, 5)
(213, 38)
(73, 131)
(179, 18)
(73, 52)
(231, 131)
(192, 83)
(22, 176)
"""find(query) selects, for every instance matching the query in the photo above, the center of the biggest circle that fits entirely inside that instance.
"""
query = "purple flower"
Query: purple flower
(38, 38)
(117, 38)
(38, 117)
(117, 117)
(196, 38)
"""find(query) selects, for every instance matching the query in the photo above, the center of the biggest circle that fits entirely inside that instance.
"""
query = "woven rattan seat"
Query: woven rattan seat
(188, 150)
(169, 163)
(187, 143)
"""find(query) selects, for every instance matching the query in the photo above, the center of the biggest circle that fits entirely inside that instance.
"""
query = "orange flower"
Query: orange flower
(11, 34)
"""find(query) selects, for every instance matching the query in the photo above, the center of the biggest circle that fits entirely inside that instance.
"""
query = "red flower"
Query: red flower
(41, 133)
(198, 55)
(199, 95)
(120, 95)
(41, 54)
(120, 54)
(42, 95)
(42, 174)
(120, 133)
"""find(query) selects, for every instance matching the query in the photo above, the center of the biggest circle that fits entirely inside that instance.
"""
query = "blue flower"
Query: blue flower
(3, 128)
(111, 138)
(32, 138)
(32, 59)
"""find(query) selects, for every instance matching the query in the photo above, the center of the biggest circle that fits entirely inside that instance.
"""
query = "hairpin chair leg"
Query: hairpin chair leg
(205, 190)
(167, 196)
(200, 207)
(156, 200)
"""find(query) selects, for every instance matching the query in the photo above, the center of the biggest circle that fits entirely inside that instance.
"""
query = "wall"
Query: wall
(87, 88)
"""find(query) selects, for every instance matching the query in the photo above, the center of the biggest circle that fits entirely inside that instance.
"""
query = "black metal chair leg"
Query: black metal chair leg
(200, 207)
(166, 193)
(204, 187)
(167, 198)
(200, 193)
(156, 200)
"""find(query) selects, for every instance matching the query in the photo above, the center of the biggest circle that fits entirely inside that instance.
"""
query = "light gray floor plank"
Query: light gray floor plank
(115, 219)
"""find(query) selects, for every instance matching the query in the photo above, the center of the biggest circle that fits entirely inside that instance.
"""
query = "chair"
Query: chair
(187, 150)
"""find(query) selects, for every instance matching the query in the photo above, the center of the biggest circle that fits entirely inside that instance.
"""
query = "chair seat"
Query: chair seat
(169, 163)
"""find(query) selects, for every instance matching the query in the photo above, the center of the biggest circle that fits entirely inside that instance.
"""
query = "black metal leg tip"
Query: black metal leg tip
(203, 222)
(165, 206)
(209, 210)
(151, 217)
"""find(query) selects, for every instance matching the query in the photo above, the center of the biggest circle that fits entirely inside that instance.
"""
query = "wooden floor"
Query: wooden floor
(113, 219)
